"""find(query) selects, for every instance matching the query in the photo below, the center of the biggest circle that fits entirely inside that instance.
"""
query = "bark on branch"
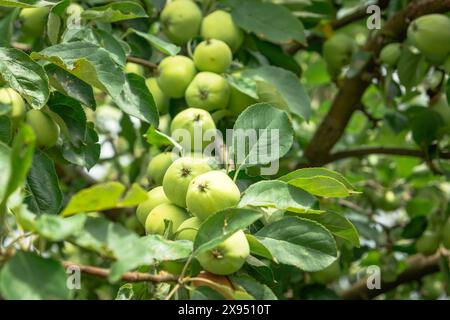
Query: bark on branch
(128, 276)
(349, 96)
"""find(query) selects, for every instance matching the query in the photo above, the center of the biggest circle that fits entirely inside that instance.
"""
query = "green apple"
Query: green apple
(154, 224)
(10, 97)
(431, 35)
(188, 229)
(239, 101)
(338, 51)
(443, 109)
(33, 21)
(228, 257)
(158, 166)
(390, 54)
(156, 196)
(44, 127)
(179, 175)
(193, 128)
(428, 243)
(208, 91)
(181, 20)
(432, 287)
(211, 192)
(131, 67)
(161, 100)
(328, 274)
(220, 25)
(175, 75)
(213, 55)
(446, 235)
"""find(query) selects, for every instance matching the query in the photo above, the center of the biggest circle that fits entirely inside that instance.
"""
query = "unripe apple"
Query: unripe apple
(211, 192)
(156, 196)
(428, 243)
(443, 109)
(161, 100)
(338, 51)
(446, 235)
(154, 224)
(431, 35)
(220, 25)
(179, 175)
(158, 166)
(390, 54)
(131, 67)
(34, 20)
(193, 128)
(175, 75)
(181, 21)
(228, 257)
(239, 101)
(208, 91)
(45, 129)
(10, 97)
(188, 229)
(328, 274)
(213, 55)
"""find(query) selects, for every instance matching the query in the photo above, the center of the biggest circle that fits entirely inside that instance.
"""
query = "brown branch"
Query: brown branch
(418, 267)
(349, 96)
(152, 66)
(128, 276)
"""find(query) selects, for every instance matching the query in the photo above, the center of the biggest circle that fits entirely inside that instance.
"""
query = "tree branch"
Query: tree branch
(418, 267)
(349, 96)
(128, 276)
(152, 66)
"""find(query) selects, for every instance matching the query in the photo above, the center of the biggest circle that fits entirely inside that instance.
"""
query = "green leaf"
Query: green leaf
(160, 139)
(257, 248)
(246, 85)
(257, 290)
(299, 242)
(286, 86)
(7, 27)
(220, 226)
(115, 11)
(56, 228)
(5, 130)
(412, 68)
(88, 62)
(136, 100)
(339, 225)
(26, 276)
(320, 182)
(71, 86)
(88, 154)
(113, 45)
(104, 196)
(27, 3)
(161, 45)
(43, 192)
(25, 76)
(280, 195)
(20, 158)
(147, 251)
(268, 21)
(261, 134)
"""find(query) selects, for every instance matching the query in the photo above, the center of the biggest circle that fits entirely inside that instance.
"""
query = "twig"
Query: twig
(152, 66)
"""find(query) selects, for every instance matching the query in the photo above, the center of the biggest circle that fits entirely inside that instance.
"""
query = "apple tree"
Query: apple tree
(224, 149)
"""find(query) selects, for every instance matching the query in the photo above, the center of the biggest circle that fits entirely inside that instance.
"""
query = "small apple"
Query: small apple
(239, 101)
(154, 224)
(158, 166)
(175, 75)
(208, 91)
(390, 54)
(188, 229)
(327, 275)
(211, 192)
(161, 100)
(446, 235)
(338, 51)
(45, 129)
(156, 196)
(181, 21)
(220, 25)
(193, 128)
(431, 35)
(33, 21)
(131, 67)
(212, 55)
(428, 243)
(228, 257)
(10, 97)
(179, 175)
